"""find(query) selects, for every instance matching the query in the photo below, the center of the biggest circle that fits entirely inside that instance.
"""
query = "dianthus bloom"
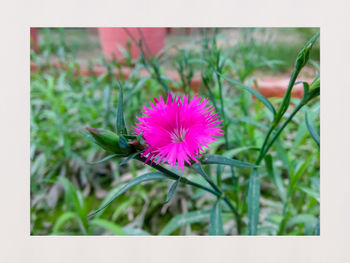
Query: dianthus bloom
(177, 131)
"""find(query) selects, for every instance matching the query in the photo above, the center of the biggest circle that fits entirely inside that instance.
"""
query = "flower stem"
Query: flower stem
(218, 193)
(174, 176)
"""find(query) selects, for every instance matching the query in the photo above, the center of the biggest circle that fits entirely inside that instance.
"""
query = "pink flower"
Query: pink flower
(177, 131)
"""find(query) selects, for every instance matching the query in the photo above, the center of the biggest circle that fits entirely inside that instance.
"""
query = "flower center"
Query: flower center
(178, 134)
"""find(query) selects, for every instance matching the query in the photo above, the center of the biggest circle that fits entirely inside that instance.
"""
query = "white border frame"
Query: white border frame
(18, 16)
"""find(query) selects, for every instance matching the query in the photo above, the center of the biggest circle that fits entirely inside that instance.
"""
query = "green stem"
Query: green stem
(238, 216)
(284, 214)
(211, 96)
(222, 107)
(266, 146)
(226, 200)
(218, 193)
(261, 153)
(300, 105)
(286, 99)
(174, 176)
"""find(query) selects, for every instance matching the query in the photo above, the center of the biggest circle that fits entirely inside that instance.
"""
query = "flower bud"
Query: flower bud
(109, 141)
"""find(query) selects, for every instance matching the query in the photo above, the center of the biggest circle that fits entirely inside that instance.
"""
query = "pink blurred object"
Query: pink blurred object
(112, 38)
(276, 87)
(34, 39)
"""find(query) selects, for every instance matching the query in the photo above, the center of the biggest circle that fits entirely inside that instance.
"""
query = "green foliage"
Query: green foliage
(172, 190)
(121, 128)
(215, 226)
(217, 159)
(253, 92)
(261, 178)
(184, 219)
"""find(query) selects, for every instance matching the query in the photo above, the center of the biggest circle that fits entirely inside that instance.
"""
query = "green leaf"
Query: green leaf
(218, 159)
(106, 98)
(184, 219)
(310, 192)
(306, 90)
(317, 227)
(198, 168)
(75, 201)
(140, 179)
(121, 128)
(250, 121)
(302, 219)
(233, 152)
(127, 159)
(300, 136)
(312, 131)
(67, 216)
(253, 202)
(282, 153)
(275, 178)
(115, 229)
(300, 170)
(171, 175)
(254, 92)
(72, 196)
(137, 87)
(172, 190)
(313, 94)
(215, 226)
(107, 158)
(135, 231)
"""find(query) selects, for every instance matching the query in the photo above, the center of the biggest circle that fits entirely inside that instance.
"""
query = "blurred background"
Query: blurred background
(74, 84)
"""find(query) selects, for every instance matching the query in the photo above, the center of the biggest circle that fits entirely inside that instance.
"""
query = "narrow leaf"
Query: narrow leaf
(184, 219)
(233, 152)
(172, 190)
(254, 92)
(72, 196)
(317, 227)
(312, 131)
(215, 226)
(218, 159)
(67, 216)
(113, 228)
(107, 158)
(253, 202)
(121, 129)
(302, 219)
(311, 193)
(127, 159)
(140, 179)
(306, 90)
(137, 87)
(198, 168)
(135, 231)
(275, 178)
(75, 201)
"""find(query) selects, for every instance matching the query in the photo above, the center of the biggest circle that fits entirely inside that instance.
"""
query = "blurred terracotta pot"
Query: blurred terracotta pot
(276, 87)
(269, 87)
(34, 39)
(113, 38)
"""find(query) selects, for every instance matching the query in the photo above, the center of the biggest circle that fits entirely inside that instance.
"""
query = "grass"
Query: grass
(65, 189)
